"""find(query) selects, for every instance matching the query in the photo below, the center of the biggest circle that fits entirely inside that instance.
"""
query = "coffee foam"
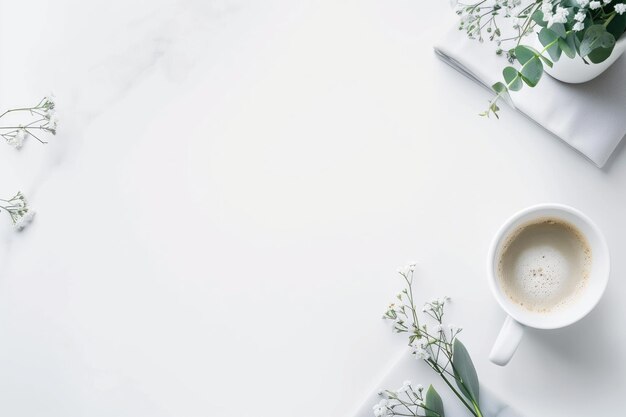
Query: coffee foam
(544, 264)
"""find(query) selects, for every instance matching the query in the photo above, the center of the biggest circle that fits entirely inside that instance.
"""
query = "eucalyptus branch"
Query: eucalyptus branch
(577, 28)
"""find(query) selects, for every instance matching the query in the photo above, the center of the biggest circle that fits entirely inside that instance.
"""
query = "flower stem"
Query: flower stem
(611, 17)
(471, 408)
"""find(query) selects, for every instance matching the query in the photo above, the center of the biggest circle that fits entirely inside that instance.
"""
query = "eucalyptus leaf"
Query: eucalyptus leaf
(529, 53)
(501, 89)
(524, 54)
(568, 45)
(538, 18)
(545, 60)
(513, 78)
(559, 29)
(596, 37)
(599, 55)
(434, 403)
(465, 373)
(532, 71)
(548, 37)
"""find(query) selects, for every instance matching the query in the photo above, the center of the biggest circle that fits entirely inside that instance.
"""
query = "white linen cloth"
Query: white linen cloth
(411, 369)
(590, 117)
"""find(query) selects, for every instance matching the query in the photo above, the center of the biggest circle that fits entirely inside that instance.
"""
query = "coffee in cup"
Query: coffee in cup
(544, 264)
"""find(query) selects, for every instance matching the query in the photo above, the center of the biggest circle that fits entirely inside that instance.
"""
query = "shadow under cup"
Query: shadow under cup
(588, 296)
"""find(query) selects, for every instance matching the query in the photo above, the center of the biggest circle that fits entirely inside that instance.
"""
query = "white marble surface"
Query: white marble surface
(232, 187)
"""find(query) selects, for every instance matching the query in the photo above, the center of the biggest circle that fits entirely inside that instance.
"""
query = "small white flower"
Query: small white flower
(421, 353)
(404, 270)
(53, 121)
(580, 16)
(18, 200)
(419, 387)
(24, 221)
(547, 17)
(607, 1)
(583, 3)
(561, 11)
(578, 26)
(620, 8)
(17, 141)
(593, 5)
(48, 101)
(559, 16)
(546, 8)
(381, 409)
(418, 348)
(406, 385)
(439, 328)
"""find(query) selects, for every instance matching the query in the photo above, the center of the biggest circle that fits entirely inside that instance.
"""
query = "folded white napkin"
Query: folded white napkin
(590, 117)
(414, 370)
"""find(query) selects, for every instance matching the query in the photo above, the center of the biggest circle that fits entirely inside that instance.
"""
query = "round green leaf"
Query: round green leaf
(568, 45)
(501, 89)
(538, 18)
(559, 29)
(598, 55)
(548, 37)
(524, 54)
(513, 78)
(532, 71)
(596, 37)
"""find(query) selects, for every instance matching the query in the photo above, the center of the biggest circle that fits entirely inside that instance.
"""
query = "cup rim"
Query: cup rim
(491, 273)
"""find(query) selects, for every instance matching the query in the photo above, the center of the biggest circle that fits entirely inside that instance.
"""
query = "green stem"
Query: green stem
(606, 23)
(23, 127)
(436, 368)
(548, 46)
(458, 394)
(479, 414)
(529, 19)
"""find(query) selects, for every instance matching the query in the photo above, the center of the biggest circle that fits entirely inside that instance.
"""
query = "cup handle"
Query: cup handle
(507, 342)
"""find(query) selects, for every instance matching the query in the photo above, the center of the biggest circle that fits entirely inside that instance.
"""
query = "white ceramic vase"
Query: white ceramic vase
(575, 70)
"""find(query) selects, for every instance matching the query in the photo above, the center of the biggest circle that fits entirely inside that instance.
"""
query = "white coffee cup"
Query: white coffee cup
(519, 317)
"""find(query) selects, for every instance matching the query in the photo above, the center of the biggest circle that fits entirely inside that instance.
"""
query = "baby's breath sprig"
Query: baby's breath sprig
(19, 211)
(40, 118)
(408, 400)
(438, 346)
